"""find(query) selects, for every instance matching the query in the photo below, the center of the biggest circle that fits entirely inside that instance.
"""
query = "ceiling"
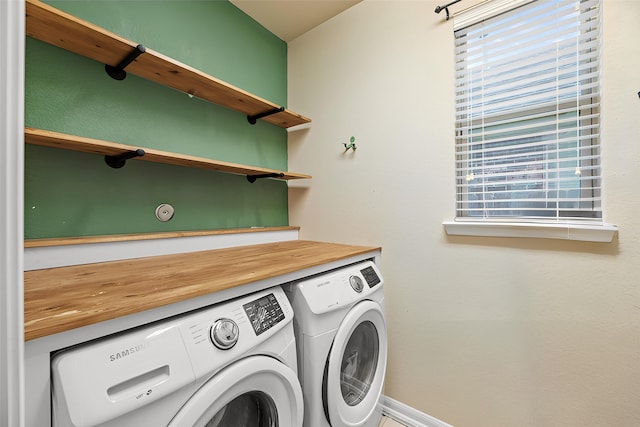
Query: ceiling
(289, 19)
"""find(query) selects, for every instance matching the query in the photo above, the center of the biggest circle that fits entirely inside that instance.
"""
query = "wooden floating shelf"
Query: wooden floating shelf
(68, 32)
(53, 139)
(110, 238)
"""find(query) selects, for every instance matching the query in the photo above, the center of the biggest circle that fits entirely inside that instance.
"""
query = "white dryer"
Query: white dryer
(341, 337)
(232, 364)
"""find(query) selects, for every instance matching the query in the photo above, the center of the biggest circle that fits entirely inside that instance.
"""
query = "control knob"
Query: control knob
(356, 283)
(224, 334)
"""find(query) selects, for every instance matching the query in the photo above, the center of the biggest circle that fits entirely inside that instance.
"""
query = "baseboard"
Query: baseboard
(407, 415)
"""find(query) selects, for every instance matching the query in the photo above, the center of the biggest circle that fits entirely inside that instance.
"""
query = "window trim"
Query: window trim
(602, 233)
(564, 229)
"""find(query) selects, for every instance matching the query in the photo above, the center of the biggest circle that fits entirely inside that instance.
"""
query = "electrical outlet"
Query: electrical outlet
(164, 212)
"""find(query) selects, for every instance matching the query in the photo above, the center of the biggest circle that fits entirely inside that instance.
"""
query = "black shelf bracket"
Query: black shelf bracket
(118, 72)
(254, 119)
(120, 160)
(253, 178)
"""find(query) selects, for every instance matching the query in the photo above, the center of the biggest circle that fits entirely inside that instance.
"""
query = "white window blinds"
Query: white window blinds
(527, 113)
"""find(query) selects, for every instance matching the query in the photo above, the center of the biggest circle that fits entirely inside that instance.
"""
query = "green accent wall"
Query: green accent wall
(76, 194)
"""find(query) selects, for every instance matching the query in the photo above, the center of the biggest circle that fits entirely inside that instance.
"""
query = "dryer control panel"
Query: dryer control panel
(342, 287)
(370, 276)
(263, 313)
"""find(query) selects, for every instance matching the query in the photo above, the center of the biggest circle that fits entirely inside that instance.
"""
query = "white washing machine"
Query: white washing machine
(342, 345)
(232, 364)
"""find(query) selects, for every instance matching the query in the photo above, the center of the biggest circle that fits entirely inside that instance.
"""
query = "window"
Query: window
(528, 112)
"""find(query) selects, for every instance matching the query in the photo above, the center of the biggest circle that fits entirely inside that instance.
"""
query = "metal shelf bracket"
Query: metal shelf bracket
(253, 178)
(254, 119)
(120, 160)
(118, 72)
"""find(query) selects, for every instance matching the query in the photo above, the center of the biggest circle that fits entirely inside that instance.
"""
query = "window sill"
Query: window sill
(582, 232)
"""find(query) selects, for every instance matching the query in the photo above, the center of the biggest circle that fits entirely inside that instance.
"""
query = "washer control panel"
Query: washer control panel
(224, 332)
(263, 313)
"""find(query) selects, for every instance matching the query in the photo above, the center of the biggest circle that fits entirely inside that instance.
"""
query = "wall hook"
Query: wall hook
(253, 178)
(120, 160)
(254, 119)
(352, 144)
(118, 72)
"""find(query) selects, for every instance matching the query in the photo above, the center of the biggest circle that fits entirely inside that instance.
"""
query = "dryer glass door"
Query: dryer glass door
(356, 365)
(257, 391)
(359, 363)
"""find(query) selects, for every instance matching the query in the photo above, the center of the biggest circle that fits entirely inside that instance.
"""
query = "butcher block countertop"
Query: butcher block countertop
(64, 298)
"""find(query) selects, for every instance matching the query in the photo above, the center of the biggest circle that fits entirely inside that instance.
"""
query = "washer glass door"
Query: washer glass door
(254, 408)
(356, 366)
(258, 391)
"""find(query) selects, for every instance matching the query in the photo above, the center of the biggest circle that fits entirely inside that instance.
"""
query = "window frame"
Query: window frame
(555, 227)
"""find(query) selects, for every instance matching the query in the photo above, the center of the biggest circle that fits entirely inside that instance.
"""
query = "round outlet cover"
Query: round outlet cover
(164, 212)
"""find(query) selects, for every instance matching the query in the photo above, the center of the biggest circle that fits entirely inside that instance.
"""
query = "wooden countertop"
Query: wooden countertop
(65, 298)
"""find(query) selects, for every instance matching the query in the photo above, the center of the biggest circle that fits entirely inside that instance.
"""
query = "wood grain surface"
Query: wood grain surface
(48, 138)
(66, 31)
(108, 238)
(61, 299)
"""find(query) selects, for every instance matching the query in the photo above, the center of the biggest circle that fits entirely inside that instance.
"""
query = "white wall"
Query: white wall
(11, 212)
(483, 331)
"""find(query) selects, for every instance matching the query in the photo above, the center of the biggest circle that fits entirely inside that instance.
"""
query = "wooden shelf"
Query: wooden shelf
(66, 31)
(110, 238)
(49, 138)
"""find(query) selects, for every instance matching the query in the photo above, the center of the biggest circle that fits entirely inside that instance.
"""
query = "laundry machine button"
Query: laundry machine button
(356, 283)
(224, 334)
